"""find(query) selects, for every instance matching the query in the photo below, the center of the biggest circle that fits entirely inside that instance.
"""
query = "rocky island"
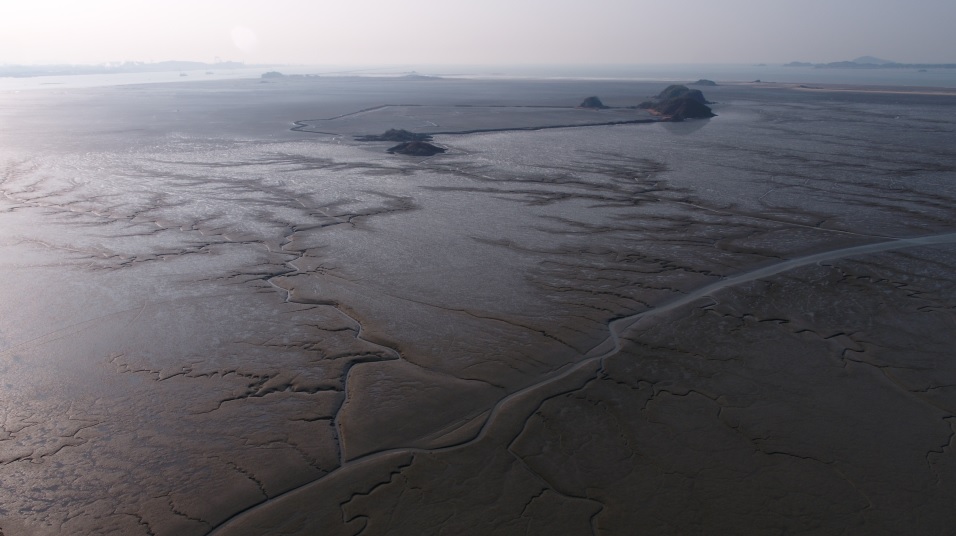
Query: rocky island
(593, 103)
(678, 102)
(416, 148)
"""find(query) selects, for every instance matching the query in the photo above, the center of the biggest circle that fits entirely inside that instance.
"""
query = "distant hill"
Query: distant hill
(870, 60)
(415, 76)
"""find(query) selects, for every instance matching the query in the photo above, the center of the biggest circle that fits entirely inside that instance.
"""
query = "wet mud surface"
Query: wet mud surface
(214, 324)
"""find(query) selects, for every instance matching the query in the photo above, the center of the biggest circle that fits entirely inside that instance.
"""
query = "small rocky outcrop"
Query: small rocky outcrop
(272, 74)
(416, 148)
(395, 134)
(593, 103)
(704, 82)
(678, 102)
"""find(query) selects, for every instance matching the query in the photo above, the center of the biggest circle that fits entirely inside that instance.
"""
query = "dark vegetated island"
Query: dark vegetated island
(395, 134)
(679, 102)
(416, 148)
(678, 91)
(704, 82)
(593, 103)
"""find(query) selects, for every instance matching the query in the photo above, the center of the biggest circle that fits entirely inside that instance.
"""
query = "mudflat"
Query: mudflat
(224, 314)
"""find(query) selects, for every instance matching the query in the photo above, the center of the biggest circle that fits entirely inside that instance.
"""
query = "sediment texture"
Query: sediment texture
(215, 325)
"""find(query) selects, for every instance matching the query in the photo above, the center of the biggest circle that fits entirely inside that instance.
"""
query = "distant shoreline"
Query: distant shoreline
(788, 78)
(849, 88)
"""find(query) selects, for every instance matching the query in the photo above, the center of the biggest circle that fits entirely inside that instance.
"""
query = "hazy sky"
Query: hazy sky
(476, 32)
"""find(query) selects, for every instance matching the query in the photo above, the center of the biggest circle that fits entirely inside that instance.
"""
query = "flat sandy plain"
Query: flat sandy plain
(211, 323)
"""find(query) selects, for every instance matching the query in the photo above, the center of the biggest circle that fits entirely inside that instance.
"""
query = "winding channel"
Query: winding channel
(610, 346)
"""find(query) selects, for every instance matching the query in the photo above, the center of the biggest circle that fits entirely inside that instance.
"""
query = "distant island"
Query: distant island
(415, 76)
(870, 62)
(593, 103)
